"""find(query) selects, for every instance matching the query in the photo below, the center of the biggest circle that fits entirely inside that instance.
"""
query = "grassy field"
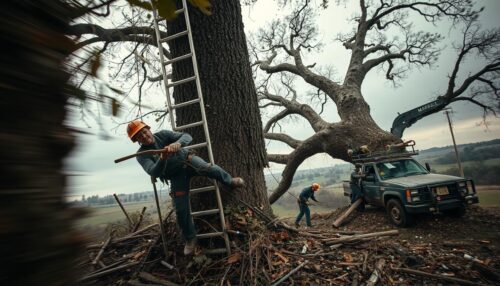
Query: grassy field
(283, 211)
(102, 215)
(489, 196)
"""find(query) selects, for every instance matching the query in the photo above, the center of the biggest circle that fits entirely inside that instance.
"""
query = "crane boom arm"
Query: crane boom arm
(408, 118)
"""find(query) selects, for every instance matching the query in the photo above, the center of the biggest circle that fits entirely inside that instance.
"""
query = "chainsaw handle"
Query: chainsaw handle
(149, 152)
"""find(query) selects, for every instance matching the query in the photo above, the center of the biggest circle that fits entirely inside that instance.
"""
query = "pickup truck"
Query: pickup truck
(405, 188)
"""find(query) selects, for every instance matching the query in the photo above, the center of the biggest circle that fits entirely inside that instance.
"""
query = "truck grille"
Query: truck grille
(426, 193)
(452, 189)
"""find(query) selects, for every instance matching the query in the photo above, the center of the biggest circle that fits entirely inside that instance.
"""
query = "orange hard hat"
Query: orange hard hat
(315, 186)
(135, 126)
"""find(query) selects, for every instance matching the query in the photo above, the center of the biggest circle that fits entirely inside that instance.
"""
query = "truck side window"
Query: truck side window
(369, 170)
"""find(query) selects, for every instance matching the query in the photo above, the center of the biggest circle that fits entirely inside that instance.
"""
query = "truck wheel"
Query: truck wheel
(397, 214)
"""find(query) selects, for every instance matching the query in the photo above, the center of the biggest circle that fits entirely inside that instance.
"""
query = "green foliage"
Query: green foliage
(166, 8)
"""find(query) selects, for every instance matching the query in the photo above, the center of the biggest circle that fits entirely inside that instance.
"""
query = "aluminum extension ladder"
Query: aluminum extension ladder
(199, 100)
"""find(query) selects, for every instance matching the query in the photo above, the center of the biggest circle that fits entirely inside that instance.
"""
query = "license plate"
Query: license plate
(440, 191)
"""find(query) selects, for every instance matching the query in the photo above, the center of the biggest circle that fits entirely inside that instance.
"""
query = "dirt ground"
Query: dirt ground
(478, 224)
(438, 244)
(437, 250)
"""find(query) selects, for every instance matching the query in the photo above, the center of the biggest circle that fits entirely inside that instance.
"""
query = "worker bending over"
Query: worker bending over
(305, 195)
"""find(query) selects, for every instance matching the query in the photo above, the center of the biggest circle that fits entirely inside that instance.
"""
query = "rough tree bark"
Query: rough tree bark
(38, 244)
(229, 93)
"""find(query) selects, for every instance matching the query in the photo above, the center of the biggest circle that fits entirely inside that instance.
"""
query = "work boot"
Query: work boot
(297, 225)
(237, 182)
(190, 246)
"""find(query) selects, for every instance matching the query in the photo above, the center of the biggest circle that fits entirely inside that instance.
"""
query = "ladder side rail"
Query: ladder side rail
(163, 68)
(198, 84)
(205, 123)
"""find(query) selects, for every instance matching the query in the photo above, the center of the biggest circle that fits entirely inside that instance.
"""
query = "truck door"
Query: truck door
(371, 186)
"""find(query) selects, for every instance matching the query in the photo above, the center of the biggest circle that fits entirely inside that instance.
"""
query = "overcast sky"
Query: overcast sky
(92, 160)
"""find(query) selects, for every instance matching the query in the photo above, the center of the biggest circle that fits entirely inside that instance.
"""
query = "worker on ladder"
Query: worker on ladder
(177, 165)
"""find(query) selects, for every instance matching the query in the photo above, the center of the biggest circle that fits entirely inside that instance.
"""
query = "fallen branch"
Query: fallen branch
(341, 219)
(290, 273)
(136, 227)
(151, 278)
(353, 238)
(130, 223)
(101, 251)
(436, 276)
(127, 237)
(103, 273)
(487, 271)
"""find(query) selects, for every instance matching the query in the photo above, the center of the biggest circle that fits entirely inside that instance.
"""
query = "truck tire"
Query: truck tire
(397, 214)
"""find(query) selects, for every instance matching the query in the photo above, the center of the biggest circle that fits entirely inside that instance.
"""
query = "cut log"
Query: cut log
(101, 251)
(341, 219)
(377, 272)
(359, 237)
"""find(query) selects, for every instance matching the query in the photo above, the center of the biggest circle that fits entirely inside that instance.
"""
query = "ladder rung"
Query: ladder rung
(207, 212)
(183, 57)
(174, 83)
(201, 190)
(186, 103)
(215, 251)
(166, 39)
(209, 235)
(195, 146)
(188, 126)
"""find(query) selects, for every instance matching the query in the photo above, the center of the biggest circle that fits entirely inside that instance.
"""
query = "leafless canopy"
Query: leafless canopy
(384, 37)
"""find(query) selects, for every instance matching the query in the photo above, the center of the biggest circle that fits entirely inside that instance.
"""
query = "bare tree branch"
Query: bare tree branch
(294, 143)
(278, 158)
(139, 34)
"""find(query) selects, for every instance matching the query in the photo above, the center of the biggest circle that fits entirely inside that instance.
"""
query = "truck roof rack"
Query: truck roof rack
(383, 155)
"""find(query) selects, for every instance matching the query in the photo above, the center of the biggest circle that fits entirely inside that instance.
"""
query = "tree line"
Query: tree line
(476, 152)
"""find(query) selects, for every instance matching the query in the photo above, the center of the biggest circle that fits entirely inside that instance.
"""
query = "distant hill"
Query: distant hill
(435, 152)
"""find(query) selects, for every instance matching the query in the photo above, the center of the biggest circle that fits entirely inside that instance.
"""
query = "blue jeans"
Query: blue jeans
(304, 209)
(355, 192)
(180, 183)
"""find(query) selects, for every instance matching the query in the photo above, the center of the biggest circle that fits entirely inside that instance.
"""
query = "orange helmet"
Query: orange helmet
(315, 186)
(135, 126)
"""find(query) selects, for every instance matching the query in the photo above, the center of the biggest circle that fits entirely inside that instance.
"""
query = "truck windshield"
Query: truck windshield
(399, 168)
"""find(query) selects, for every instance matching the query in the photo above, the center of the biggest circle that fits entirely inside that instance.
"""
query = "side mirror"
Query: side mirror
(427, 166)
(370, 178)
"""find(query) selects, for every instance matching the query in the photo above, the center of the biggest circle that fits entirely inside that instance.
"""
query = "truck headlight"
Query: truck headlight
(412, 195)
(462, 188)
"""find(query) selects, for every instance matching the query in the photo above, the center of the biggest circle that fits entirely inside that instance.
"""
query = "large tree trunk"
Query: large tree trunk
(229, 94)
(355, 129)
(36, 238)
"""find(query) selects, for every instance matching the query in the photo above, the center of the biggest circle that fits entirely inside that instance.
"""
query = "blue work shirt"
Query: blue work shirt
(165, 169)
(306, 194)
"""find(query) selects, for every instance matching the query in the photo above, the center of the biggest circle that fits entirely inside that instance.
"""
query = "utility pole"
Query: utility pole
(447, 112)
